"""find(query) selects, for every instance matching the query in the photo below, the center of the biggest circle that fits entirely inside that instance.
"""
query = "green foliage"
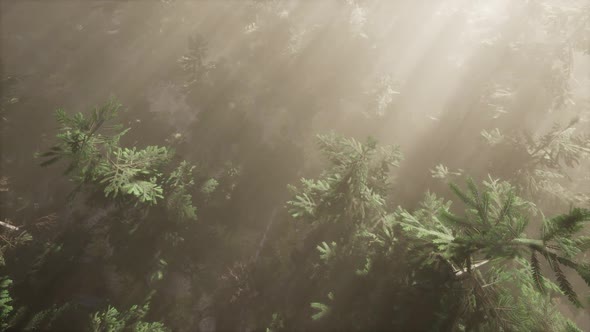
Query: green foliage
(327, 251)
(12, 238)
(365, 252)
(139, 174)
(5, 302)
(97, 159)
(491, 232)
(45, 319)
(179, 199)
(353, 188)
(517, 305)
(209, 186)
(134, 178)
(442, 172)
(81, 142)
(135, 173)
(276, 323)
(322, 309)
(111, 320)
(348, 202)
(545, 160)
(349, 197)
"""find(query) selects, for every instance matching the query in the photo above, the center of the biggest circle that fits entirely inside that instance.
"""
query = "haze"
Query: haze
(241, 89)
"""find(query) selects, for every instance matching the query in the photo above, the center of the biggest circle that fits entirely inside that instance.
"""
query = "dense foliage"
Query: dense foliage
(251, 184)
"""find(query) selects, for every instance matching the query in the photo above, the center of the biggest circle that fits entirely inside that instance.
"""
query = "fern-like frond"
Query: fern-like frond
(564, 285)
(536, 272)
(566, 224)
(322, 310)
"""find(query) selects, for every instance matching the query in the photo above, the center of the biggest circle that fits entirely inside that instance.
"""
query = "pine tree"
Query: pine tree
(346, 207)
(97, 159)
(113, 320)
(5, 302)
(545, 160)
(492, 232)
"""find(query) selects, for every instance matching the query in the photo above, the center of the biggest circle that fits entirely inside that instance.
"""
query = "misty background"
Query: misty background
(252, 82)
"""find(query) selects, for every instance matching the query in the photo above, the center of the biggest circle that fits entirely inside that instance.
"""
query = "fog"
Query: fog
(247, 86)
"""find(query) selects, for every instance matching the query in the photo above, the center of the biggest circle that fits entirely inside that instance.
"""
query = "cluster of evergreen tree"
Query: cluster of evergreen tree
(362, 265)
(194, 226)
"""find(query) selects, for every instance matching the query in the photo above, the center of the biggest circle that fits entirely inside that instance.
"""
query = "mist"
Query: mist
(218, 231)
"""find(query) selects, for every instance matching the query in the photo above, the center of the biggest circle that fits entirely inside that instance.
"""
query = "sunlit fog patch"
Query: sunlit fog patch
(168, 103)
